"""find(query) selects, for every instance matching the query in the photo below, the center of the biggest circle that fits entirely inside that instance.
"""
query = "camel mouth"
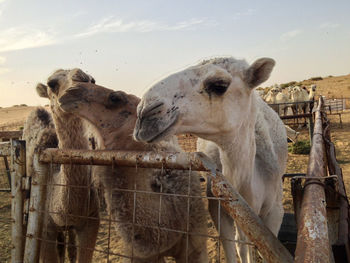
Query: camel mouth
(71, 98)
(153, 134)
(165, 132)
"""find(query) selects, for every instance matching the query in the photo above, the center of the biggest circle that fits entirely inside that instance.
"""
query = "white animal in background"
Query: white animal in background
(300, 95)
(312, 96)
(276, 96)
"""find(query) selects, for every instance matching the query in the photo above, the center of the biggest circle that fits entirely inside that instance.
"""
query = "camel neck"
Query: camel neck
(238, 158)
(70, 133)
(237, 151)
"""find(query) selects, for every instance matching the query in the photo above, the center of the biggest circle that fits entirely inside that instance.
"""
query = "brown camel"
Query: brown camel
(113, 114)
(71, 197)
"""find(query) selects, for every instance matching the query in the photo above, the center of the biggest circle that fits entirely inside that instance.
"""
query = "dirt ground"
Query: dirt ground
(12, 118)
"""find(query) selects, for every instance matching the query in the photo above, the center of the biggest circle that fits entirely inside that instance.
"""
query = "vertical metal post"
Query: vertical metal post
(311, 128)
(36, 206)
(313, 240)
(18, 159)
(8, 171)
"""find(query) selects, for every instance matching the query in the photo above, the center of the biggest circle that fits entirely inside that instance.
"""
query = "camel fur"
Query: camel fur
(68, 205)
(113, 115)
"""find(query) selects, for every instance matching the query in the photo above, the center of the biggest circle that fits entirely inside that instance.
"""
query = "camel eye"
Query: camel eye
(216, 86)
(53, 85)
(116, 98)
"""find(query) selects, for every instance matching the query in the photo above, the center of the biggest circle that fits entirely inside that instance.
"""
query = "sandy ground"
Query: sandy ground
(12, 118)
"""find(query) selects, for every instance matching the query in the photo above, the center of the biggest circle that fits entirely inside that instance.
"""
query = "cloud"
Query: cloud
(4, 70)
(290, 34)
(113, 25)
(2, 60)
(18, 38)
(248, 12)
(329, 25)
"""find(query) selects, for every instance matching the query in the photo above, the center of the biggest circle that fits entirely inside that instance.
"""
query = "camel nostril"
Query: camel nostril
(137, 236)
(151, 110)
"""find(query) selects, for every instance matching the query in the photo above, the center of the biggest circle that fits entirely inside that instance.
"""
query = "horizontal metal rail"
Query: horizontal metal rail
(287, 117)
(268, 245)
(10, 134)
(292, 103)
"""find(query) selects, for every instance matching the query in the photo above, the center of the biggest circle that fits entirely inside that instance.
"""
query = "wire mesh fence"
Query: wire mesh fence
(150, 216)
(5, 204)
(153, 214)
(155, 208)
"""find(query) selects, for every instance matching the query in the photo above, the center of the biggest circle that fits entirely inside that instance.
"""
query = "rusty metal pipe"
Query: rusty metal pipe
(181, 161)
(10, 134)
(313, 240)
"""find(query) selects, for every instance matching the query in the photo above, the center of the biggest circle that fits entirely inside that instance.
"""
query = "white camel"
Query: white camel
(299, 94)
(216, 101)
(276, 96)
(312, 96)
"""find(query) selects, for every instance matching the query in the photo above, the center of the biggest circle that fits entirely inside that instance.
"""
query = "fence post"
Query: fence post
(18, 159)
(311, 128)
(36, 206)
(313, 240)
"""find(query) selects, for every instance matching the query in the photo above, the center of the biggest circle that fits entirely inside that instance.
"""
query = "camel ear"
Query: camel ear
(80, 76)
(41, 89)
(259, 72)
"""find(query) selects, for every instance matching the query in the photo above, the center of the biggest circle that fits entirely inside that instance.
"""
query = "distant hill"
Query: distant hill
(13, 118)
(331, 87)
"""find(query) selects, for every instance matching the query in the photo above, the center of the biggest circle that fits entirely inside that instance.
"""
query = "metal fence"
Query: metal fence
(30, 212)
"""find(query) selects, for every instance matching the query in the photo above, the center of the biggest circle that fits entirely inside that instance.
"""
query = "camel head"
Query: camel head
(210, 98)
(295, 90)
(313, 88)
(106, 109)
(274, 91)
(59, 82)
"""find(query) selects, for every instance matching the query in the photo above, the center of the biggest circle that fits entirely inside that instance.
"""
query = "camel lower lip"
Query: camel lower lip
(159, 135)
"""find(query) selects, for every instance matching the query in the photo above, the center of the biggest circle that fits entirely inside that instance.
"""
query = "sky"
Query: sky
(128, 45)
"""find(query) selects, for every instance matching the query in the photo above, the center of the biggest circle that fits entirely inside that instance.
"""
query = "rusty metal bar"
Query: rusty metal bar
(303, 115)
(181, 161)
(18, 171)
(36, 204)
(268, 245)
(342, 243)
(7, 167)
(5, 149)
(313, 240)
(10, 135)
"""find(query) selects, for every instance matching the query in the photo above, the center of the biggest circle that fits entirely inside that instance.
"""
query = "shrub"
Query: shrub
(23, 105)
(316, 78)
(285, 85)
(300, 147)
